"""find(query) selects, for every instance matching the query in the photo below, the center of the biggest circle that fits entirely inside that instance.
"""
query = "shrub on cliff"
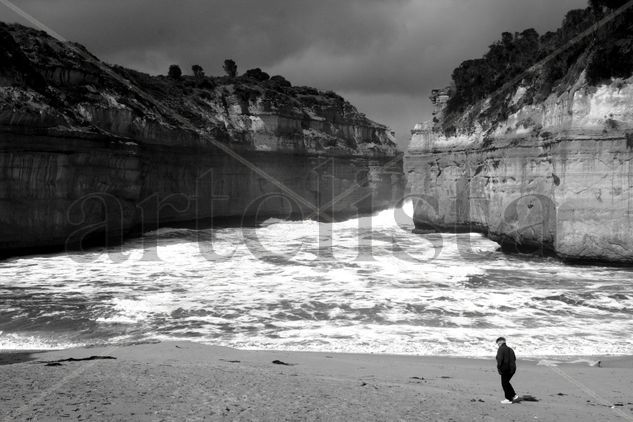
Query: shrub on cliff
(206, 83)
(247, 93)
(197, 70)
(174, 71)
(611, 61)
(280, 81)
(230, 67)
(612, 56)
(15, 65)
(257, 74)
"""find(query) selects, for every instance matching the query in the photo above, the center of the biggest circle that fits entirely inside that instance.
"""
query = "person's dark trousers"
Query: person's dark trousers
(507, 387)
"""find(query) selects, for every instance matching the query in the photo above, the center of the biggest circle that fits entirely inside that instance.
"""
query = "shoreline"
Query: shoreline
(562, 359)
(186, 380)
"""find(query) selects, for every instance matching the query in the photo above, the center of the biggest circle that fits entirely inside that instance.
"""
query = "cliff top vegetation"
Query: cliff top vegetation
(597, 40)
(65, 78)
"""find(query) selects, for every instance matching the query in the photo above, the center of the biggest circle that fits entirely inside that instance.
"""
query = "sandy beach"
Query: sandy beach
(189, 381)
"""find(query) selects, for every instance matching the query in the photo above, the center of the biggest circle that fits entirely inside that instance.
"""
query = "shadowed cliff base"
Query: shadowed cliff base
(113, 239)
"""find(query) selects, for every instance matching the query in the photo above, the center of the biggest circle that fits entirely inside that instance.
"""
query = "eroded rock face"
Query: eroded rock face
(89, 151)
(554, 177)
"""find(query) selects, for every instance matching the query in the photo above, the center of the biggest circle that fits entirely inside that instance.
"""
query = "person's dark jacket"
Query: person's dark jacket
(506, 361)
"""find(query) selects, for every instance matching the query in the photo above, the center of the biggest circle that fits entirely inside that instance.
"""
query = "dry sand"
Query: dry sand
(189, 381)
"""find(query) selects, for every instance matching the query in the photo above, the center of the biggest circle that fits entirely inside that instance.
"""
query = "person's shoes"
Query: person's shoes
(516, 397)
(506, 401)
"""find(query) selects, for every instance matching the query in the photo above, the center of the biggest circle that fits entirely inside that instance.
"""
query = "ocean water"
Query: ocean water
(362, 285)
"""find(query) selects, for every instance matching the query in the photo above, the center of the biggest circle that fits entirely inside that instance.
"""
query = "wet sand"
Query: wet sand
(189, 381)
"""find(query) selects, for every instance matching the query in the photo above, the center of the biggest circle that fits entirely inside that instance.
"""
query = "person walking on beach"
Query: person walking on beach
(506, 366)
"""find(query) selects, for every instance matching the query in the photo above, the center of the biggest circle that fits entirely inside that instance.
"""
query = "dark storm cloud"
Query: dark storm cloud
(254, 32)
(384, 55)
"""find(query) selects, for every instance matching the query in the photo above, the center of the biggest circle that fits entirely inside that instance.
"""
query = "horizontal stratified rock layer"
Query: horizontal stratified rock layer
(90, 151)
(554, 176)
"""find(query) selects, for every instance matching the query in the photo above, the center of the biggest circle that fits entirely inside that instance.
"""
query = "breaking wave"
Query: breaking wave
(361, 285)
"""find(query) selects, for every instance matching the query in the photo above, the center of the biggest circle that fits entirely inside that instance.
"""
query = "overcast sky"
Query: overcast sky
(382, 55)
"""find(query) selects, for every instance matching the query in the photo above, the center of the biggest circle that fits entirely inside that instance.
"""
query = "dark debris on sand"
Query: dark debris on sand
(58, 362)
(278, 362)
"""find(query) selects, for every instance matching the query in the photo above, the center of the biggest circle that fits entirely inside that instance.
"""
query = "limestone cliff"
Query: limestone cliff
(551, 174)
(93, 151)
